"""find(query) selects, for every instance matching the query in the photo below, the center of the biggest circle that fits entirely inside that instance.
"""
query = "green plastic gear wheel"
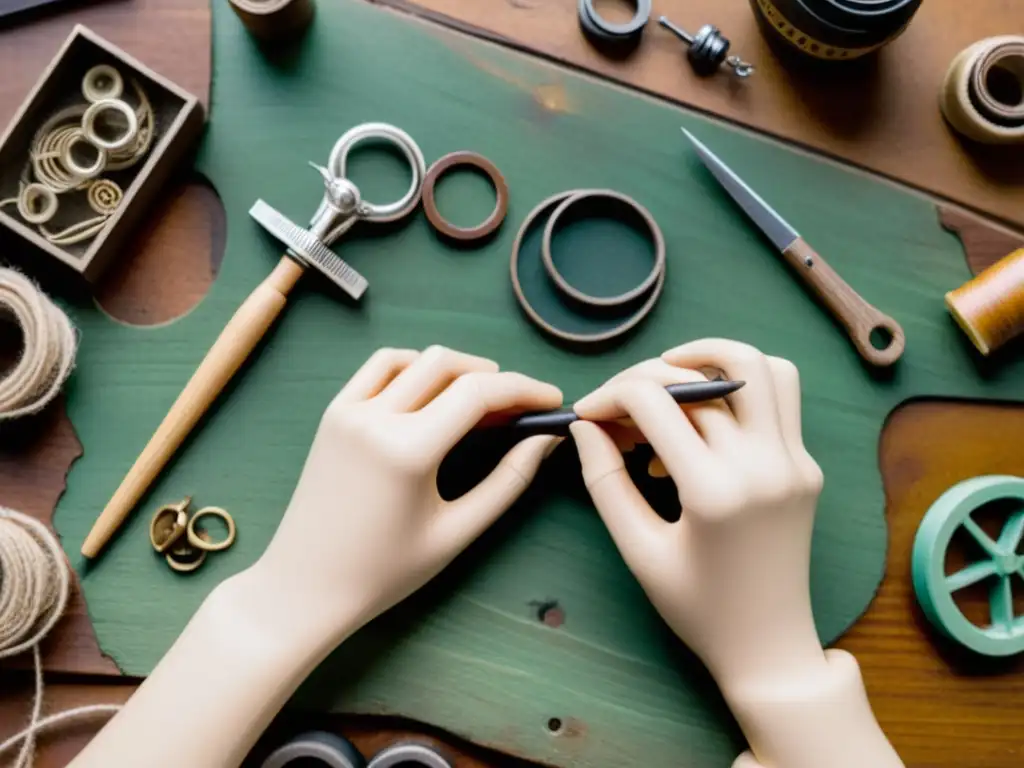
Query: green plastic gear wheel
(1003, 565)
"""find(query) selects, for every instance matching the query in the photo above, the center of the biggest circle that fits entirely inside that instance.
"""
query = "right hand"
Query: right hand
(731, 576)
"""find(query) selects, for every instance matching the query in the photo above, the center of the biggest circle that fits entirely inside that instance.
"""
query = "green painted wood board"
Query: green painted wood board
(468, 654)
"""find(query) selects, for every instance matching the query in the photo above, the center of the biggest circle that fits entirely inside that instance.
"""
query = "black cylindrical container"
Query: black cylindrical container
(833, 30)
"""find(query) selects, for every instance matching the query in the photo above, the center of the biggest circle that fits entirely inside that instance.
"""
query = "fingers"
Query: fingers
(787, 392)
(428, 375)
(670, 433)
(464, 519)
(713, 419)
(375, 374)
(637, 529)
(754, 405)
(471, 397)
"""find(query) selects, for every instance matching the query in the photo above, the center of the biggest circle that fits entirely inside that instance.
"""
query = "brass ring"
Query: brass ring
(168, 525)
(205, 544)
(83, 171)
(628, 324)
(102, 82)
(446, 163)
(617, 199)
(185, 558)
(121, 141)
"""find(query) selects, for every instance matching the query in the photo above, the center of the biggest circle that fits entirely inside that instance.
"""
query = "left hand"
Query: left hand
(366, 525)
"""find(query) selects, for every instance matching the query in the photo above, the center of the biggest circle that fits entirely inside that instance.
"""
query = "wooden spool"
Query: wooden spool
(990, 308)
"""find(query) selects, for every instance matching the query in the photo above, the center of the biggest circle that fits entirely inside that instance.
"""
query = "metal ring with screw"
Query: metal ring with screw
(168, 525)
(408, 754)
(442, 225)
(121, 140)
(610, 37)
(102, 82)
(205, 544)
(324, 748)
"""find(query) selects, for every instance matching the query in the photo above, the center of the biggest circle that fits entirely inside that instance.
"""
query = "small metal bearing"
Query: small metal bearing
(318, 747)
(613, 38)
(408, 754)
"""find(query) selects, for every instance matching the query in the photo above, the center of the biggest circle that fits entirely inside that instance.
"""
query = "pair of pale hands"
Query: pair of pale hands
(731, 576)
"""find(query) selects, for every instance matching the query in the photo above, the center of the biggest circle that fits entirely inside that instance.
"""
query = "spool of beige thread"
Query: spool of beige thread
(983, 94)
(990, 308)
(274, 21)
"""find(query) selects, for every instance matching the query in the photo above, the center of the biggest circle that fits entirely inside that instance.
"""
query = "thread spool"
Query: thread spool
(48, 347)
(990, 308)
(983, 94)
(274, 21)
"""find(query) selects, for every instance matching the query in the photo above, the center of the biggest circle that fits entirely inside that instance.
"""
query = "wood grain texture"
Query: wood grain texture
(883, 116)
(984, 244)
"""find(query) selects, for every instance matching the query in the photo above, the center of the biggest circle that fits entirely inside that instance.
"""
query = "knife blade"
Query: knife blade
(877, 337)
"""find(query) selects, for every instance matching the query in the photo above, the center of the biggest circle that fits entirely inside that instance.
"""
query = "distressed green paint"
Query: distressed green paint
(469, 653)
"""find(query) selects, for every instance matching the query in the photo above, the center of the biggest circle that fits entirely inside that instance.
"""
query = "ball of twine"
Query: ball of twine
(49, 343)
(35, 582)
(104, 196)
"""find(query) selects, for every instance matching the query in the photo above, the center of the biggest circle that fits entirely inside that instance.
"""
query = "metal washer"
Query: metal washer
(329, 749)
(404, 753)
(608, 35)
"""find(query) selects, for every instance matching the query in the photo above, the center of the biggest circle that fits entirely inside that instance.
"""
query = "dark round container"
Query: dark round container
(833, 30)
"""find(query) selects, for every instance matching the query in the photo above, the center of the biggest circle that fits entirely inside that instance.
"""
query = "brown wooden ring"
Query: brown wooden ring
(205, 544)
(576, 338)
(576, 294)
(434, 216)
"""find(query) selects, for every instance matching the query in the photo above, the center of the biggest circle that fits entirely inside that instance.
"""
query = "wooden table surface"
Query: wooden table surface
(940, 707)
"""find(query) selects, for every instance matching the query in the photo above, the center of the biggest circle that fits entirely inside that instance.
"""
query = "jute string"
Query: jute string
(48, 345)
(35, 582)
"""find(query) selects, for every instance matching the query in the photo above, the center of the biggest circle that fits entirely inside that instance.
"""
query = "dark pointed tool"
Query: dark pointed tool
(557, 422)
(878, 338)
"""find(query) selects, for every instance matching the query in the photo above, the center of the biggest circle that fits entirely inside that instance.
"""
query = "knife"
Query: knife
(877, 337)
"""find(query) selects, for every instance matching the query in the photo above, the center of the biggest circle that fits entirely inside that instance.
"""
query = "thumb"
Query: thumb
(638, 531)
(462, 520)
(746, 760)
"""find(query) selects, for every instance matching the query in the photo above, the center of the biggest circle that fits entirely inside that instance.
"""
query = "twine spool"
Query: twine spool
(35, 582)
(983, 94)
(990, 308)
(274, 21)
(49, 343)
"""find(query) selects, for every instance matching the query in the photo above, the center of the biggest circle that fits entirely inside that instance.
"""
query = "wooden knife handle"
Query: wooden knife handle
(239, 337)
(878, 338)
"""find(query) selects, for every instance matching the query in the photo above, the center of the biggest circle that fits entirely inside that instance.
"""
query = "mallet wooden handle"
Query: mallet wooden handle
(239, 337)
(859, 317)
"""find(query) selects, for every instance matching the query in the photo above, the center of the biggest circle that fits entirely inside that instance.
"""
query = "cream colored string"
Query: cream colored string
(35, 582)
(49, 343)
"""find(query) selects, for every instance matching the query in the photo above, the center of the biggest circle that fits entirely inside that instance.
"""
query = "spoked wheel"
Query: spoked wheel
(1001, 565)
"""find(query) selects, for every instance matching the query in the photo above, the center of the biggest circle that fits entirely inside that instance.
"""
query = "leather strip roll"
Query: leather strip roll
(630, 322)
(316, 748)
(445, 227)
(274, 21)
(983, 94)
(610, 37)
(595, 200)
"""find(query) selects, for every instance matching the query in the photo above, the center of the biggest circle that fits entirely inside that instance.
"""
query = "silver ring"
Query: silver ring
(408, 752)
(102, 82)
(331, 750)
(107, 105)
(402, 140)
(84, 171)
(37, 193)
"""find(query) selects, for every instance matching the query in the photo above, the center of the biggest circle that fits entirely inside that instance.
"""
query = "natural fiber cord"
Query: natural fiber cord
(48, 350)
(35, 582)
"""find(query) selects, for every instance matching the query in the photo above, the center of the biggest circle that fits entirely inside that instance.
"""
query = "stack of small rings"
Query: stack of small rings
(173, 534)
(79, 143)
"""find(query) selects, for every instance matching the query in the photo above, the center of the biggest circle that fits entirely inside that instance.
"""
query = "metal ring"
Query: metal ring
(390, 211)
(83, 171)
(606, 34)
(576, 338)
(110, 105)
(185, 558)
(327, 748)
(1002, 563)
(168, 525)
(208, 546)
(434, 216)
(32, 195)
(603, 301)
(408, 753)
(92, 89)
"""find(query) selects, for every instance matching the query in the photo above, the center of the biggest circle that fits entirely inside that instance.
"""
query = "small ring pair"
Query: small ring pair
(334, 751)
(99, 142)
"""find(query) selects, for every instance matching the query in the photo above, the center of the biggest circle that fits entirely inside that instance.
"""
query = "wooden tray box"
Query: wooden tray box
(178, 122)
